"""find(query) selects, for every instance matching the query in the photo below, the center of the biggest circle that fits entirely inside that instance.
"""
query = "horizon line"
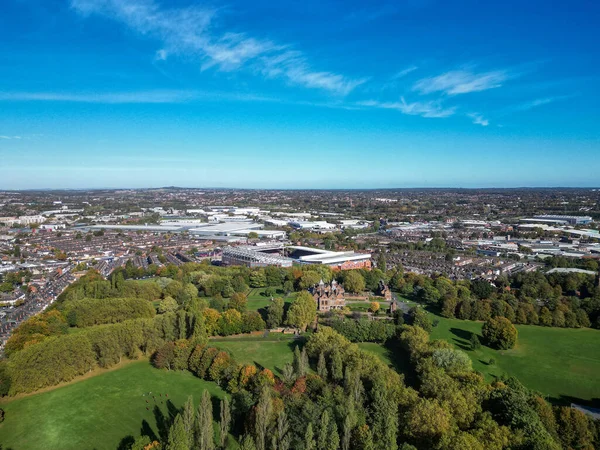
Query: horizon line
(298, 189)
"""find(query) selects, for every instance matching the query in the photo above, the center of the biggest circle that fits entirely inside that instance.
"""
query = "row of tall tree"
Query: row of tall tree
(336, 396)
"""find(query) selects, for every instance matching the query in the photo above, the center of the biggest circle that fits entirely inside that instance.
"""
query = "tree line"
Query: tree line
(336, 396)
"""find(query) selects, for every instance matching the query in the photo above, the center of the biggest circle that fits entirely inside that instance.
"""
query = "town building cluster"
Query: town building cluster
(51, 237)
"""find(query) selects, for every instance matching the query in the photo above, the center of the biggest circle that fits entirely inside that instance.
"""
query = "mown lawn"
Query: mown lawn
(257, 300)
(272, 352)
(558, 362)
(378, 349)
(99, 412)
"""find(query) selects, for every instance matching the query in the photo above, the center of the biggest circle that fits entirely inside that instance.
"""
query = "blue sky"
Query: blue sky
(299, 94)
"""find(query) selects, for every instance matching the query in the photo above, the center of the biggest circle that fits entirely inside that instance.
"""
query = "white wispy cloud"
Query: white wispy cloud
(478, 119)
(105, 97)
(461, 82)
(404, 72)
(540, 102)
(291, 65)
(9, 137)
(161, 55)
(429, 109)
(193, 31)
(156, 96)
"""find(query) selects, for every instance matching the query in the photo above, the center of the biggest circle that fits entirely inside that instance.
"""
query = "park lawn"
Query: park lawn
(257, 300)
(272, 352)
(378, 349)
(562, 363)
(100, 411)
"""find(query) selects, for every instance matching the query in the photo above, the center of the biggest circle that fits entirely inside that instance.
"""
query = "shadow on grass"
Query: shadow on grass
(147, 430)
(400, 360)
(463, 338)
(566, 400)
(126, 443)
(163, 423)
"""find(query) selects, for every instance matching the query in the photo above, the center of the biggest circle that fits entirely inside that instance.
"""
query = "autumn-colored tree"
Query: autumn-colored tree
(374, 307)
(211, 320)
(218, 366)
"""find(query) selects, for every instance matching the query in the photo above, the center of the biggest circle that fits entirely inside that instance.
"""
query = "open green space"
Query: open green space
(99, 412)
(272, 352)
(378, 349)
(257, 299)
(562, 363)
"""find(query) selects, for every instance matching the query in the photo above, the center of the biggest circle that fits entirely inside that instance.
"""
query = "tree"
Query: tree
(275, 313)
(499, 332)
(385, 418)
(143, 443)
(324, 429)
(419, 318)
(178, 438)
(451, 360)
(347, 433)
(238, 301)
(573, 428)
(322, 366)
(247, 443)
(427, 421)
(474, 342)
(204, 434)
(333, 442)
(230, 322)
(300, 365)
(374, 307)
(258, 278)
(449, 305)
(381, 262)
(309, 438)
(303, 311)
(282, 436)
(168, 304)
(288, 374)
(482, 289)
(336, 365)
(288, 287)
(262, 414)
(354, 282)
(225, 422)
(308, 279)
(545, 317)
(188, 416)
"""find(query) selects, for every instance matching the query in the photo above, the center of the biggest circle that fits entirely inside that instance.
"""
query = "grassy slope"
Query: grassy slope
(97, 412)
(272, 353)
(378, 349)
(256, 299)
(557, 362)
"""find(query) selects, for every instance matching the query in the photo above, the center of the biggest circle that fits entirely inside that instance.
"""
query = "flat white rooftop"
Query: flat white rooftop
(320, 256)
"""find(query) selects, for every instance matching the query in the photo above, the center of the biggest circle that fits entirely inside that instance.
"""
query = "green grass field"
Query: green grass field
(272, 352)
(558, 362)
(381, 351)
(99, 412)
(257, 300)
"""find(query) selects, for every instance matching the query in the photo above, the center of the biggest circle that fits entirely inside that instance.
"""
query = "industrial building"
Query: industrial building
(317, 225)
(564, 220)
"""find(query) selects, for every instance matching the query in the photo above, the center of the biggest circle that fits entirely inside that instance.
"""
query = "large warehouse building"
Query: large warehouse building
(566, 220)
